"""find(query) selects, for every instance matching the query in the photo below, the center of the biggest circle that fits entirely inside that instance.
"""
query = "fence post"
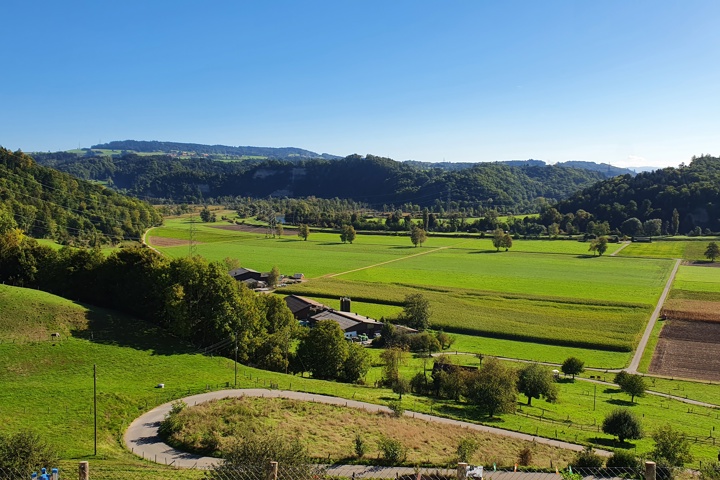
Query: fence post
(462, 471)
(650, 470)
(84, 471)
(272, 471)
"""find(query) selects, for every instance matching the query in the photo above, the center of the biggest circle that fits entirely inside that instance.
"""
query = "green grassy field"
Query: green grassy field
(48, 386)
(685, 249)
(551, 293)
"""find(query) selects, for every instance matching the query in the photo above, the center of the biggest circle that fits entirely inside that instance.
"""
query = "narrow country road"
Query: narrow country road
(142, 439)
(635, 363)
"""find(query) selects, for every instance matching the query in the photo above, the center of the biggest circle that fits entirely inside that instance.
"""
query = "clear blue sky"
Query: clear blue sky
(625, 82)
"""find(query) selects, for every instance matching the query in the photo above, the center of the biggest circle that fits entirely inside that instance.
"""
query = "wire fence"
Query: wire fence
(278, 471)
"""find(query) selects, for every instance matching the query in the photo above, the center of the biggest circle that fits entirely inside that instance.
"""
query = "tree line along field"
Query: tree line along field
(48, 386)
(689, 342)
(548, 292)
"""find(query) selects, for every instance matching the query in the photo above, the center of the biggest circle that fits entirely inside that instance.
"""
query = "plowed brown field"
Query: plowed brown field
(688, 349)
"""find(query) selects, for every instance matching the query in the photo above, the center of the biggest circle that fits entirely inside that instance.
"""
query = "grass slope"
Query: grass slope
(49, 387)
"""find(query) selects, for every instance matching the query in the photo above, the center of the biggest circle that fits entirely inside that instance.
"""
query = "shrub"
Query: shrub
(525, 456)
(466, 449)
(671, 446)
(396, 407)
(360, 446)
(393, 451)
(25, 452)
(419, 384)
(624, 459)
(710, 471)
(587, 458)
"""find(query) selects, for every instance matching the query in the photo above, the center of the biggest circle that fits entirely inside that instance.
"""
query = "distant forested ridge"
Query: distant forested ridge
(46, 203)
(693, 190)
(199, 149)
(376, 181)
(605, 169)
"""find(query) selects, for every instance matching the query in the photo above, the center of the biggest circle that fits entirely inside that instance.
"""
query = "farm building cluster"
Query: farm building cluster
(356, 327)
(254, 279)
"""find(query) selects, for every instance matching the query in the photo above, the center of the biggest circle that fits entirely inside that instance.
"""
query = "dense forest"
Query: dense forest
(46, 203)
(683, 200)
(373, 180)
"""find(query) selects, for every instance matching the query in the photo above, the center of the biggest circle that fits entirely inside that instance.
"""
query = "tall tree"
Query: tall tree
(573, 366)
(675, 221)
(303, 231)
(633, 385)
(497, 239)
(712, 251)
(535, 381)
(506, 242)
(623, 424)
(417, 235)
(324, 350)
(493, 387)
(416, 311)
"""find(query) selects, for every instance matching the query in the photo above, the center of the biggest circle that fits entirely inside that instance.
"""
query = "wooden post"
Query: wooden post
(84, 471)
(650, 470)
(462, 471)
(272, 471)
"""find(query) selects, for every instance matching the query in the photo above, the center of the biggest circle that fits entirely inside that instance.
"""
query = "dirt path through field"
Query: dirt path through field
(331, 275)
(625, 244)
(635, 363)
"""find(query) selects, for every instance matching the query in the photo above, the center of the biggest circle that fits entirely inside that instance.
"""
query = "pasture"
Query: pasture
(677, 248)
(48, 386)
(550, 293)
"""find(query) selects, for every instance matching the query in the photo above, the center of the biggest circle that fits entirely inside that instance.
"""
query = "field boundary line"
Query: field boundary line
(331, 275)
(635, 363)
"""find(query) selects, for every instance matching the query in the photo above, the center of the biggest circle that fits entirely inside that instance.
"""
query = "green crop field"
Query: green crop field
(552, 294)
(685, 249)
(702, 280)
(48, 386)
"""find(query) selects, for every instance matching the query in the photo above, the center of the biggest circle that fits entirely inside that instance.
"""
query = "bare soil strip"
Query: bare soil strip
(169, 242)
(688, 349)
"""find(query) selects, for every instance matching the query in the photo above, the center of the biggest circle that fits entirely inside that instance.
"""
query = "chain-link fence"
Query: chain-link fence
(276, 471)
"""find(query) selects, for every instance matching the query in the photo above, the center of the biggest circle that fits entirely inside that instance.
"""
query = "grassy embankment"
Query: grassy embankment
(48, 385)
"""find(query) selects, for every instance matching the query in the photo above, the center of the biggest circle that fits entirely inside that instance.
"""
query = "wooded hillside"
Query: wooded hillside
(47, 203)
(693, 190)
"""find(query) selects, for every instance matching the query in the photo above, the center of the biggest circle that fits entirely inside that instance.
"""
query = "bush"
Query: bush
(396, 407)
(419, 384)
(360, 446)
(525, 457)
(25, 452)
(466, 449)
(710, 471)
(624, 459)
(393, 451)
(587, 458)
(671, 446)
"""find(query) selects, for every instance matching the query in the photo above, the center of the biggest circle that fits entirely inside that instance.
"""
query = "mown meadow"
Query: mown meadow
(535, 301)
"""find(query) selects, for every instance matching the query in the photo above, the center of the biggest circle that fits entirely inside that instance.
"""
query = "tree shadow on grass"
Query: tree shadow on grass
(331, 243)
(483, 251)
(621, 403)
(583, 255)
(403, 247)
(612, 391)
(610, 442)
(109, 327)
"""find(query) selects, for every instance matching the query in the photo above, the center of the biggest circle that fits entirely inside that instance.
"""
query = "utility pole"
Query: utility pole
(95, 405)
(594, 395)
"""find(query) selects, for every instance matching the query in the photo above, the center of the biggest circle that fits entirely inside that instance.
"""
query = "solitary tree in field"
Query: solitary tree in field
(623, 424)
(633, 385)
(599, 245)
(497, 239)
(347, 234)
(493, 388)
(303, 231)
(417, 235)
(506, 242)
(536, 380)
(573, 366)
(712, 251)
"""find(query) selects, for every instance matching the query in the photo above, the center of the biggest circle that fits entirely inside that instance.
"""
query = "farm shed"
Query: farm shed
(303, 308)
(351, 323)
(242, 274)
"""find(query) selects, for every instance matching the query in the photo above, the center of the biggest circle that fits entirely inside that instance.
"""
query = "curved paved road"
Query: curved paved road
(142, 438)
